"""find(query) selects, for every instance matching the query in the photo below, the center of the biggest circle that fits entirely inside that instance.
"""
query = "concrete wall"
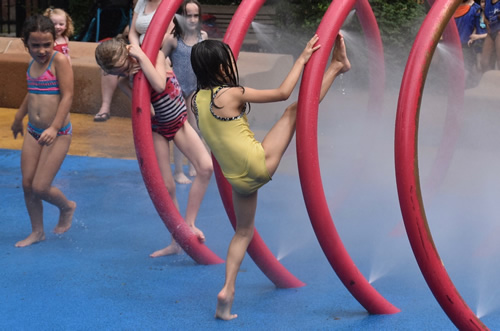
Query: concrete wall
(14, 60)
(259, 70)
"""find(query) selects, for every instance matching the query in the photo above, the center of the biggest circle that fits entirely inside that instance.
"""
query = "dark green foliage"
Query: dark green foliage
(399, 22)
(80, 11)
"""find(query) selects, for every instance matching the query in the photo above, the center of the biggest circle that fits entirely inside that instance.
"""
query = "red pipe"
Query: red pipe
(407, 175)
(309, 171)
(143, 139)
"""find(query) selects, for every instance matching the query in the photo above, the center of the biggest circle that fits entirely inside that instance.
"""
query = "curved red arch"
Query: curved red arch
(407, 176)
(307, 158)
(257, 249)
(143, 139)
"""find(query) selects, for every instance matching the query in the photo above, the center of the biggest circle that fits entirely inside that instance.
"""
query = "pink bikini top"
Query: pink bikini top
(46, 83)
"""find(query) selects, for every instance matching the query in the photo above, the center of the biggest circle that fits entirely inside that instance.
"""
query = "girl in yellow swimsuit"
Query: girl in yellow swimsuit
(220, 105)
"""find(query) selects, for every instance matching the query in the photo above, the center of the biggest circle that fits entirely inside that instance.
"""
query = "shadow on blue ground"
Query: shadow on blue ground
(98, 275)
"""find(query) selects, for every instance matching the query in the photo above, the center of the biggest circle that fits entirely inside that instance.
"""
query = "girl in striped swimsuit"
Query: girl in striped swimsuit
(168, 122)
(47, 104)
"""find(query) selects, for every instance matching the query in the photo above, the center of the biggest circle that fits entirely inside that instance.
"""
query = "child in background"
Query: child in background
(490, 57)
(144, 11)
(64, 29)
(168, 123)
(476, 39)
(220, 105)
(465, 18)
(49, 98)
(186, 33)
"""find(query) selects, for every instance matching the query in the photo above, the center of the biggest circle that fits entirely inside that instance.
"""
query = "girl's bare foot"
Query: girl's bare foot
(65, 218)
(340, 54)
(181, 178)
(171, 249)
(224, 304)
(198, 233)
(34, 237)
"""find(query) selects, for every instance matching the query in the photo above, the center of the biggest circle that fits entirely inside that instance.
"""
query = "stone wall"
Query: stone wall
(258, 70)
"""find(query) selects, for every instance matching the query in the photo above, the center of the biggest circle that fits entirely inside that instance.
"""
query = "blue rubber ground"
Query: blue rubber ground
(98, 275)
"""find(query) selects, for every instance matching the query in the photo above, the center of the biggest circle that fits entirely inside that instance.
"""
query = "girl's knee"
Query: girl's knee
(205, 170)
(27, 187)
(246, 232)
(40, 190)
(292, 107)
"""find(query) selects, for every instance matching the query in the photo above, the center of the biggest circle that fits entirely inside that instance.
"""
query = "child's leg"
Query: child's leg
(486, 54)
(108, 87)
(51, 159)
(162, 151)
(244, 207)
(179, 175)
(29, 156)
(278, 138)
(192, 122)
(191, 145)
(497, 51)
(39, 186)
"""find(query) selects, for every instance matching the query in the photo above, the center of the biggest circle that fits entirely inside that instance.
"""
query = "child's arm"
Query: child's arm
(156, 75)
(169, 44)
(287, 86)
(17, 126)
(133, 36)
(474, 36)
(64, 75)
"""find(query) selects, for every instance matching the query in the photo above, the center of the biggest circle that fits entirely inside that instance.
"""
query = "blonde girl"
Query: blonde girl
(47, 104)
(64, 29)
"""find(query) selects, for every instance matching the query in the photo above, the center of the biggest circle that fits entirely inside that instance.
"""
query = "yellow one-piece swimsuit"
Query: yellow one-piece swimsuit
(240, 156)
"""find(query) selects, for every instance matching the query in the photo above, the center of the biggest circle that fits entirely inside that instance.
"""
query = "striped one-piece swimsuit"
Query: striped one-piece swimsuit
(170, 109)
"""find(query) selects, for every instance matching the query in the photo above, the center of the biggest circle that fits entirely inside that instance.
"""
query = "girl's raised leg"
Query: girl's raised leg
(278, 138)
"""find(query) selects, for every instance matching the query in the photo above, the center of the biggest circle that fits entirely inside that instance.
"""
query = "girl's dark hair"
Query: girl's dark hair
(37, 23)
(212, 62)
(178, 30)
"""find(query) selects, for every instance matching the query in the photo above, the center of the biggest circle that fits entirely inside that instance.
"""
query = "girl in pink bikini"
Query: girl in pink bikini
(64, 29)
(47, 104)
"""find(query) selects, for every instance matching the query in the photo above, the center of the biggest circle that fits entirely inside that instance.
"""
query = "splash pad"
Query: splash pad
(406, 164)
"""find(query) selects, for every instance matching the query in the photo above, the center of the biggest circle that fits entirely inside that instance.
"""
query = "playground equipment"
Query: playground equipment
(407, 175)
(308, 162)
(405, 151)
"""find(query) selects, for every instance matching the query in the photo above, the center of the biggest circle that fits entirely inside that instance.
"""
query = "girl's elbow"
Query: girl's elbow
(159, 88)
(283, 96)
